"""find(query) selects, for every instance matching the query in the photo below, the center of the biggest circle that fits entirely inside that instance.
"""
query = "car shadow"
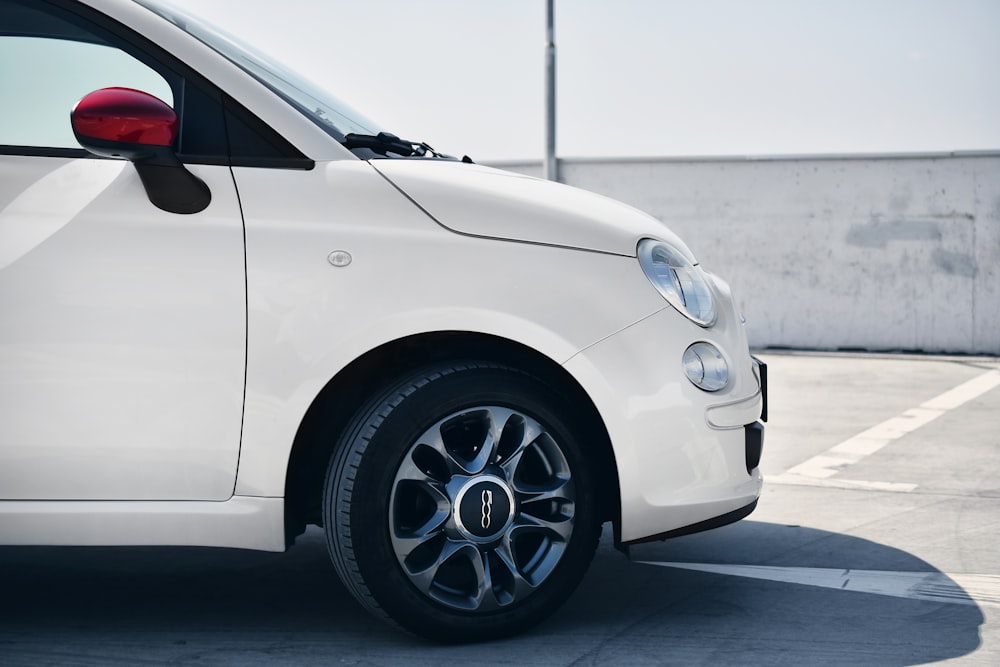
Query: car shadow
(138, 605)
(722, 619)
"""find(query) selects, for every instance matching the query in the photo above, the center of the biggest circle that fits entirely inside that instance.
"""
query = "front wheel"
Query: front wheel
(461, 504)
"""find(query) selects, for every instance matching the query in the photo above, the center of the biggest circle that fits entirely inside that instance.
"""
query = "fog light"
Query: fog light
(705, 366)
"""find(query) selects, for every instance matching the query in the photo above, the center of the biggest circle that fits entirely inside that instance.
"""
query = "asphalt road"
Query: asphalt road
(876, 542)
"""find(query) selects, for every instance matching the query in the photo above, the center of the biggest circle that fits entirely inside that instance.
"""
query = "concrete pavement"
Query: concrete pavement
(876, 542)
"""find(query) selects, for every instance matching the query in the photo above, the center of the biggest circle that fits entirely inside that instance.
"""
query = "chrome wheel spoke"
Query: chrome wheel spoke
(560, 528)
(500, 581)
(560, 490)
(419, 472)
(420, 508)
(467, 442)
(483, 456)
(511, 461)
(473, 591)
(424, 577)
(432, 441)
(517, 585)
(484, 599)
(502, 425)
(406, 540)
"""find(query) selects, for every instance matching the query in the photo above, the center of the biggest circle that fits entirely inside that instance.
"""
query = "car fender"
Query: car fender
(308, 319)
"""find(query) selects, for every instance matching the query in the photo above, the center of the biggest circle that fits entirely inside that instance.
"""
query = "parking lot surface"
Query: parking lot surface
(876, 542)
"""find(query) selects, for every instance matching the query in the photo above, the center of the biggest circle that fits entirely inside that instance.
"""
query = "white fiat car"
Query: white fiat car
(231, 307)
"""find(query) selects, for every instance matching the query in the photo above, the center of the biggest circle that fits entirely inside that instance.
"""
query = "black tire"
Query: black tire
(460, 503)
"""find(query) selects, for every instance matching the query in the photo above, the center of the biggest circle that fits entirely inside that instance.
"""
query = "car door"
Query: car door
(122, 326)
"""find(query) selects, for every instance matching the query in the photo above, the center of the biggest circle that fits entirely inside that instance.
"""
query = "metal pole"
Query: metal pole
(550, 166)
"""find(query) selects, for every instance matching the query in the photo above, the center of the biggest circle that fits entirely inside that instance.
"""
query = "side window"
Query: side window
(50, 58)
(47, 63)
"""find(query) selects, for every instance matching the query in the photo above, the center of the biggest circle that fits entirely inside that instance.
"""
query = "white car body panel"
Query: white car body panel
(156, 424)
(121, 374)
(309, 319)
(491, 203)
(239, 523)
(674, 469)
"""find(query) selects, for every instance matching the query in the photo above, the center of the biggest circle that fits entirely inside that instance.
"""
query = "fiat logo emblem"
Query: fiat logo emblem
(487, 508)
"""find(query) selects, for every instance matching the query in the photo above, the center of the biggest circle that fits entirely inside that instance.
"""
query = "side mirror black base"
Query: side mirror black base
(172, 188)
(169, 185)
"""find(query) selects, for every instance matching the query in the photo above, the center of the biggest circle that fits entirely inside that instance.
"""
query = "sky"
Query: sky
(641, 78)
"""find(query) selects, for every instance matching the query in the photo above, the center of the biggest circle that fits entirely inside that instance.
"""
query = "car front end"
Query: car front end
(673, 379)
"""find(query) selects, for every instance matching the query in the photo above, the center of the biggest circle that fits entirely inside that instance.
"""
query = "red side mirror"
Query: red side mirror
(118, 122)
(122, 122)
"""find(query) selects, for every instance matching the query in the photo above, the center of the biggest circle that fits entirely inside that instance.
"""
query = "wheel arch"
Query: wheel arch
(345, 393)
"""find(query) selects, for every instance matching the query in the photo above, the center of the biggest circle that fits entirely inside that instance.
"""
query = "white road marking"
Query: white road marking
(819, 470)
(803, 480)
(972, 589)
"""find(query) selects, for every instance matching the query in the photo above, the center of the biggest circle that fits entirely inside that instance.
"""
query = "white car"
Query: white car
(273, 313)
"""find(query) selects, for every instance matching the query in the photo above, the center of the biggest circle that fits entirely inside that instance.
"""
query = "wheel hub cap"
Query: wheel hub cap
(484, 507)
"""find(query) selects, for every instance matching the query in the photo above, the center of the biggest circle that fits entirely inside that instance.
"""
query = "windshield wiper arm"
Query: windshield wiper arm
(384, 142)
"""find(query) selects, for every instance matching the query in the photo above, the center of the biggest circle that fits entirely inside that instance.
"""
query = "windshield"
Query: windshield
(335, 117)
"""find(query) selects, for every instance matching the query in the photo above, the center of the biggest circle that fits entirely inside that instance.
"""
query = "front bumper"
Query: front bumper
(685, 457)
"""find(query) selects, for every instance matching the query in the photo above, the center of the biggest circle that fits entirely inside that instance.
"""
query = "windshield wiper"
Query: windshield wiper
(384, 143)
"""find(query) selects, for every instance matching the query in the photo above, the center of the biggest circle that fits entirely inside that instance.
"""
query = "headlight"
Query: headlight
(680, 282)
(705, 366)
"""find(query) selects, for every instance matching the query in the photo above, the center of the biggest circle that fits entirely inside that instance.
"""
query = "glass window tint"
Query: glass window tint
(45, 68)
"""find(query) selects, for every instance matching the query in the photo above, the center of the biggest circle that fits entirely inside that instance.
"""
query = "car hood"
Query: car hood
(481, 201)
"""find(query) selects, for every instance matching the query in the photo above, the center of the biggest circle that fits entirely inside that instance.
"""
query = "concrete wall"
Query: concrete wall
(833, 252)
